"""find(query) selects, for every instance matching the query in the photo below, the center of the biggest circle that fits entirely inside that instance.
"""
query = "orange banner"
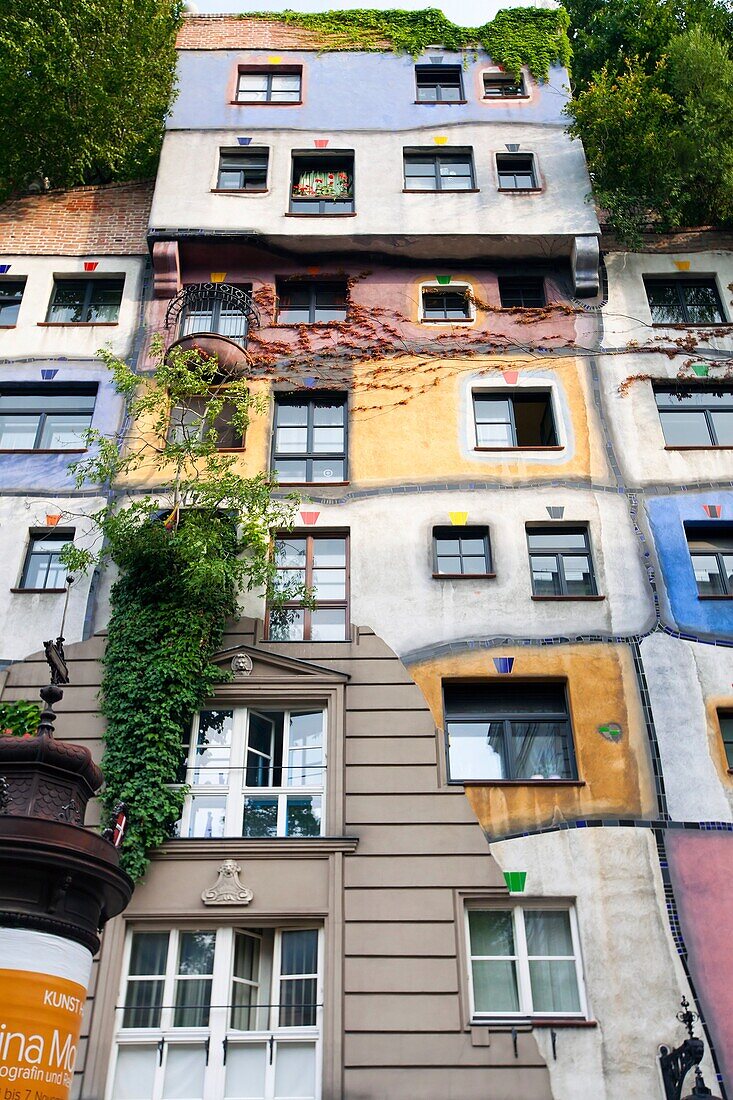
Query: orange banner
(40, 1022)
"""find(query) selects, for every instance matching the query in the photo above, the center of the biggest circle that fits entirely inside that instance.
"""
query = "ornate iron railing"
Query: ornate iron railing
(213, 308)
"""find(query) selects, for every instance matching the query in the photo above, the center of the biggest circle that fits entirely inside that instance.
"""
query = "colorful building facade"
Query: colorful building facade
(461, 828)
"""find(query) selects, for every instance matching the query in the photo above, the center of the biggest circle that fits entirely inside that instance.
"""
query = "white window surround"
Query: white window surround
(238, 774)
(268, 1061)
(506, 392)
(520, 960)
(454, 286)
(494, 384)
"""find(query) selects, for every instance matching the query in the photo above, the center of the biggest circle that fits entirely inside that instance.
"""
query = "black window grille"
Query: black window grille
(221, 308)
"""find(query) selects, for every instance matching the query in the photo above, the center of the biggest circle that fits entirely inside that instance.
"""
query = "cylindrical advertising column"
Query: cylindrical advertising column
(43, 987)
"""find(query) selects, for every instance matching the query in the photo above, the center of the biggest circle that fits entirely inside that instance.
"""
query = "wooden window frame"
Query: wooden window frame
(345, 604)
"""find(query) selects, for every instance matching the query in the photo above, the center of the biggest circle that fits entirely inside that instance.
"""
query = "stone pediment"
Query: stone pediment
(250, 664)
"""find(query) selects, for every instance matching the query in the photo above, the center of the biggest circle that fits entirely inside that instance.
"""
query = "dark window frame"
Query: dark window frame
(520, 718)
(506, 85)
(297, 605)
(512, 398)
(258, 173)
(427, 156)
(10, 301)
(474, 531)
(323, 204)
(441, 292)
(706, 410)
(560, 553)
(726, 714)
(32, 390)
(313, 286)
(679, 284)
(437, 71)
(59, 536)
(522, 286)
(701, 532)
(504, 173)
(269, 71)
(238, 330)
(309, 456)
(87, 299)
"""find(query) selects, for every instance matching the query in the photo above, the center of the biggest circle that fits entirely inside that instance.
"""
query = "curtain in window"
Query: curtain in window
(328, 183)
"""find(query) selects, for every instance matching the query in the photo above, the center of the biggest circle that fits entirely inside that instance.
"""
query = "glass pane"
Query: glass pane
(245, 1071)
(299, 953)
(290, 553)
(664, 303)
(135, 1072)
(213, 748)
(196, 953)
(192, 1001)
(291, 440)
(287, 470)
(556, 538)
(491, 931)
(328, 439)
(295, 1071)
(306, 728)
(723, 423)
(702, 304)
(545, 576)
(246, 1015)
(246, 957)
(297, 1002)
(286, 82)
(685, 428)
(62, 433)
(578, 575)
(329, 584)
(727, 560)
(185, 1066)
(143, 1002)
(554, 986)
(707, 575)
(208, 816)
(105, 301)
(305, 767)
(476, 750)
(455, 167)
(540, 750)
(329, 552)
(473, 565)
(260, 817)
(286, 625)
(494, 986)
(149, 953)
(548, 932)
(18, 433)
(304, 816)
(328, 470)
(328, 625)
(328, 414)
(68, 302)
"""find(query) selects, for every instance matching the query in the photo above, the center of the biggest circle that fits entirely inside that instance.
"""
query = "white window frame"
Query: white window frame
(460, 285)
(219, 1029)
(521, 958)
(236, 793)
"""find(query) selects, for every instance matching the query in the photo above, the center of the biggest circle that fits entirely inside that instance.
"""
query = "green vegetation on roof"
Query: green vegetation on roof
(532, 37)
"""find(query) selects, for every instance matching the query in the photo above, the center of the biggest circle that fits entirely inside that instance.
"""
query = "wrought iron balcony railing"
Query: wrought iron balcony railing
(213, 308)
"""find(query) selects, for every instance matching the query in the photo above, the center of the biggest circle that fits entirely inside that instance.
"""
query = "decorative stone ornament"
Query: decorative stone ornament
(241, 666)
(228, 890)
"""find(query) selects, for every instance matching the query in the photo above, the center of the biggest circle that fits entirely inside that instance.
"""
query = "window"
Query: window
(439, 83)
(222, 310)
(256, 773)
(11, 295)
(49, 417)
(243, 171)
(524, 961)
(684, 301)
(514, 731)
(500, 86)
(522, 292)
(560, 561)
(461, 551)
(711, 553)
(695, 416)
(522, 420)
(309, 303)
(42, 568)
(189, 422)
(309, 443)
(276, 85)
(516, 172)
(323, 185)
(227, 1012)
(319, 562)
(725, 720)
(446, 305)
(447, 171)
(85, 301)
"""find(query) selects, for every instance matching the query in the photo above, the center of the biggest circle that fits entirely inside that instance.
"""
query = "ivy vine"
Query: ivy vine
(20, 717)
(532, 37)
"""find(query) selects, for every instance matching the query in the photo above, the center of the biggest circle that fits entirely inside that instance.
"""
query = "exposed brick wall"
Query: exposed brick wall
(228, 32)
(84, 220)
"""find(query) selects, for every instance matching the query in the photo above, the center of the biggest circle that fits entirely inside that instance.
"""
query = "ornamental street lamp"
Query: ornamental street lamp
(677, 1063)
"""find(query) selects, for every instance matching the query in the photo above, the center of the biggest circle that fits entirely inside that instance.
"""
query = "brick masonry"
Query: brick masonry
(230, 32)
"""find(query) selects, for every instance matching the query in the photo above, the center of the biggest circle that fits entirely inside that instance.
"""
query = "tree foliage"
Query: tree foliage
(85, 86)
(184, 554)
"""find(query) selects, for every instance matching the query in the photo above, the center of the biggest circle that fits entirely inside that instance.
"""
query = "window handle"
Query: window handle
(207, 1045)
(272, 1047)
(225, 1047)
(161, 1048)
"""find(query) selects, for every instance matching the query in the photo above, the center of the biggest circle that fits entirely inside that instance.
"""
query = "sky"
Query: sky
(467, 13)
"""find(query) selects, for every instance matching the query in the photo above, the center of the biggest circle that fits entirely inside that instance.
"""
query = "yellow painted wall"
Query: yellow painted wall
(617, 777)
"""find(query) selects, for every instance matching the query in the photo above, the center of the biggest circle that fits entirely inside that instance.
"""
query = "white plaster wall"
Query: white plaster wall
(30, 338)
(636, 429)
(393, 590)
(189, 163)
(627, 315)
(28, 619)
(634, 979)
(681, 676)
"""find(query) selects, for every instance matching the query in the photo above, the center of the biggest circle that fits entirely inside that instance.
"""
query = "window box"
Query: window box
(322, 184)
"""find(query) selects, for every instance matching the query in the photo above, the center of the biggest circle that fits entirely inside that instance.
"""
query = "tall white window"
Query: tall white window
(524, 961)
(256, 773)
(227, 1014)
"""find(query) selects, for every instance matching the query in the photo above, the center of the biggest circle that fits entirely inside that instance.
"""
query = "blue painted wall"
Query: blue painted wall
(667, 516)
(348, 91)
(49, 472)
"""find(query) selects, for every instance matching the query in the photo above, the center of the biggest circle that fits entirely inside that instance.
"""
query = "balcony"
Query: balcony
(213, 318)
